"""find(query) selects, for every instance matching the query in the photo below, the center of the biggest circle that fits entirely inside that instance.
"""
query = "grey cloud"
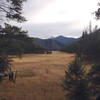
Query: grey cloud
(34, 6)
(52, 29)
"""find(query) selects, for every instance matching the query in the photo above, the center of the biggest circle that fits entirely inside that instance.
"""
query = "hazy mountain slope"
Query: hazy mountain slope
(49, 44)
(65, 40)
(54, 43)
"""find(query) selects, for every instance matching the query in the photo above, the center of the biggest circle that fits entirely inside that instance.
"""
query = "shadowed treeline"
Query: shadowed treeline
(88, 46)
(14, 40)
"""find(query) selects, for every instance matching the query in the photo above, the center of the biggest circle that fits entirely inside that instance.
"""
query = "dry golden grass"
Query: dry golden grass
(39, 77)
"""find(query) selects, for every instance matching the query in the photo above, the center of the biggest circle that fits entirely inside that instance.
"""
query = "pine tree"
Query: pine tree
(9, 9)
(5, 65)
(76, 83)
(94, 75)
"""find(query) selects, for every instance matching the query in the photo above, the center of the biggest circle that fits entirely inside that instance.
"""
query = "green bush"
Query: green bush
(94, 76)
(76, 82)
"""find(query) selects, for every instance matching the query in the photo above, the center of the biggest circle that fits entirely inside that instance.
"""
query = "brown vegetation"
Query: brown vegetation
(39, 77)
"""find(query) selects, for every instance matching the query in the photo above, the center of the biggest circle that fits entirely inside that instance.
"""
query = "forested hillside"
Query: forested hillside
(49, 43)
(56, 43)
(65, 40)
(14, 40)
(88, 45)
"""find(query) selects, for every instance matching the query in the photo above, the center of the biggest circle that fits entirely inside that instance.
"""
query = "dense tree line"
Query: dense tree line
(88, 45)
(14, 40)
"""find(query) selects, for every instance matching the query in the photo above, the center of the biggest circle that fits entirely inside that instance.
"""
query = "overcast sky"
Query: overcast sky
(50, 18)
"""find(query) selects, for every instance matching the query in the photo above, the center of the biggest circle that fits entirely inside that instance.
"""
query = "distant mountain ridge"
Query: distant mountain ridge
(55, 43)
(65, 40)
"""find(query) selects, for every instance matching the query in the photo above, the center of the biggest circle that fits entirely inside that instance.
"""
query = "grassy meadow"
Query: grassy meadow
(39, 77)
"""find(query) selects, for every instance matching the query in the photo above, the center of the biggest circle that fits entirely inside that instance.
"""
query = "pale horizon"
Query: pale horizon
(51, 18)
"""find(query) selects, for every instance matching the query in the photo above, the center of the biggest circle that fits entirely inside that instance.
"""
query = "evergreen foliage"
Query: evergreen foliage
(94, 75)
(14, 40)
(4, 64)
(88, 46)
(11, 9)
(76, 82)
